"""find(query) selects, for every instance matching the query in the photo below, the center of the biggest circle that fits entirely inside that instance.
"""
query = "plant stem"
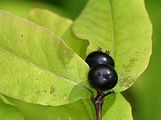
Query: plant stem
(98, 108)
(98, 102)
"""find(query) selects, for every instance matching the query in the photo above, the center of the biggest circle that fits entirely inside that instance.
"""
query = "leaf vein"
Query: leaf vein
(113, 29)
(40, 67)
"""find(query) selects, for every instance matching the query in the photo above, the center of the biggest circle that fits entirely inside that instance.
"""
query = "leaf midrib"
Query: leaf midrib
(113, 29)
(40, 67)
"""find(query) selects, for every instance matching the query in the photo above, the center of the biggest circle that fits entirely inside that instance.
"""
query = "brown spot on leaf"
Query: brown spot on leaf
(40, 92)
(52, 90)
(45, 91)
(130, 63)
(126, 82)
(65, 98)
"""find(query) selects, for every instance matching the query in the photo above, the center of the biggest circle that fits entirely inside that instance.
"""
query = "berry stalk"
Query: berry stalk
(98, 102)
(99, 112)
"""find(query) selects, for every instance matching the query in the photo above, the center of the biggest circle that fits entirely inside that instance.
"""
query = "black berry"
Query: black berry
(102, 77)
(99, 57)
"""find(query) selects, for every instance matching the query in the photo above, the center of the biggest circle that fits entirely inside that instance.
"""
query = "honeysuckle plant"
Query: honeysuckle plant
(43, 75)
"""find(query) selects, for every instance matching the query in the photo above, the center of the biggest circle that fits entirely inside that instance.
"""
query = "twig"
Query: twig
(98, 102)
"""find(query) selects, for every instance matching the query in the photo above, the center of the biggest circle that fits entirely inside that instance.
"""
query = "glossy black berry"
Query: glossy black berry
(99, 57)
(102, 77)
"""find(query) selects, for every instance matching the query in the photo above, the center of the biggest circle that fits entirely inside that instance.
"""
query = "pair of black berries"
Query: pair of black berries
(102, 75)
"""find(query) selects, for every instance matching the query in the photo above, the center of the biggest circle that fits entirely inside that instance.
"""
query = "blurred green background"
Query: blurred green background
(144, 95)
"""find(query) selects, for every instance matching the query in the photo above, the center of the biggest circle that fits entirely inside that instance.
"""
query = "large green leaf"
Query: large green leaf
(36, 66)
(122, 27)
(60, 26)
(9, 112)
(115, 108)
(73, 111)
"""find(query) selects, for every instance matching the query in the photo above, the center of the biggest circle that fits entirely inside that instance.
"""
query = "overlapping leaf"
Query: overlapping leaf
(80, 110)
(122, 27)
(60, 26)
(36, 66)
(9, 112)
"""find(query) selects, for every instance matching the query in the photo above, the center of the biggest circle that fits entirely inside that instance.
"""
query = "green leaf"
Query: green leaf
(122, 27)
(9, 112)
(116, 107)
(57, 24)
(60, 26)
(73, 111)
(120, 109)
(36, 66)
